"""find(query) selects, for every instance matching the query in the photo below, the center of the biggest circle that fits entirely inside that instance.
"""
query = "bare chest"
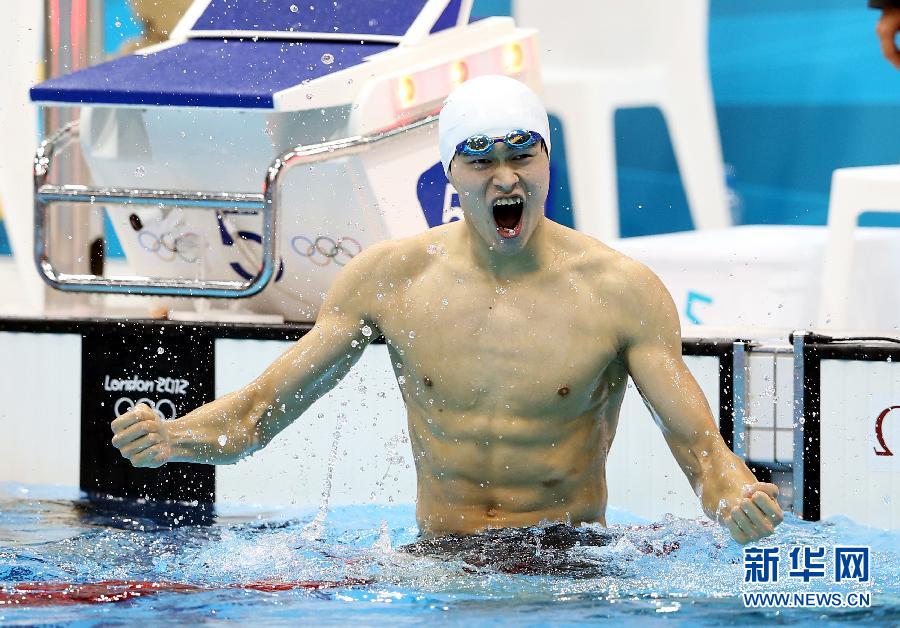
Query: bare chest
(540, 349)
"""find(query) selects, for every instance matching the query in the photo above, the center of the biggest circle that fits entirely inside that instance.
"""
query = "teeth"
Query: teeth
(507, 201)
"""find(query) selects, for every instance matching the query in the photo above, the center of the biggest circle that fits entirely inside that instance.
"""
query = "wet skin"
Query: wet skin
(512, 356)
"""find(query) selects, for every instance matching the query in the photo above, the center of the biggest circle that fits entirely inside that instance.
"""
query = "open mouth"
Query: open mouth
(508, 215)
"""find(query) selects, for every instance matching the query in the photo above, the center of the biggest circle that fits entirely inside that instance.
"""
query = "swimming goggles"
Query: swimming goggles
(482, 144)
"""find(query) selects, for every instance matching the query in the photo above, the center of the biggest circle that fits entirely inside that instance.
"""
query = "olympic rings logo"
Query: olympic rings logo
(124, 404)
(187, 246)
(324, 250)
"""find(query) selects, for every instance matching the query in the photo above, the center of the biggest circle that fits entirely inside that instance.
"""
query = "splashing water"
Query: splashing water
(314, 529)
(383, 544)
(686, 569)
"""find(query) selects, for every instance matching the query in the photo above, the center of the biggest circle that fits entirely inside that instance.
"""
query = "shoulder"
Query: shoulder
(386, 264)
(381, 259)
(643, 292)
(606, 268)
(637, 298)
(400, 258)
(649, 313)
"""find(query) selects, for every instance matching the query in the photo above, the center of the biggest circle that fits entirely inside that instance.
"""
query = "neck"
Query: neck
(500, 265)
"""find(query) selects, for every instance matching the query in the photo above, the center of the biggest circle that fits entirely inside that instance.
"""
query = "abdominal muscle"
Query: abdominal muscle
(477, 472)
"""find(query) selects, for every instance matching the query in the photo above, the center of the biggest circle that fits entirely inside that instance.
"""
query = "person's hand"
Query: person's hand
(887, 28)
(141, 436)
(755, 514)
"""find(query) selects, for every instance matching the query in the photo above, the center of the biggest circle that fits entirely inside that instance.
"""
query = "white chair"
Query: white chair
(853, 191)
(603, 55)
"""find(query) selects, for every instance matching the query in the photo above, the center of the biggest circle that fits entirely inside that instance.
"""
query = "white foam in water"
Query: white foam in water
(681, 568)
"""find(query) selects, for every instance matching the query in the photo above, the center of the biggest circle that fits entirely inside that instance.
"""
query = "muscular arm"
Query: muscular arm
(249, 418)
(727, 489)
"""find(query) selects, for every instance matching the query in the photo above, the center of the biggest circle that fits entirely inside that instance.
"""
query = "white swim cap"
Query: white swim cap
(493, 105)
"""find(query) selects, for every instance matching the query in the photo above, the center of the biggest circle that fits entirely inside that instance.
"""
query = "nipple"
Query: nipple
(562, 392)
(491, 512)
(427, 381)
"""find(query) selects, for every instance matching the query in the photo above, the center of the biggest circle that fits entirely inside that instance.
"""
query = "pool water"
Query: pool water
(285, 566)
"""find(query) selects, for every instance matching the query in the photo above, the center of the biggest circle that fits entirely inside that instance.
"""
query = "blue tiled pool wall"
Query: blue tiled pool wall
(800, 89)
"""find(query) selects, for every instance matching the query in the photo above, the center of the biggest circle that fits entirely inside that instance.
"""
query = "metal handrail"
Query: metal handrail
(798, 340)
(740, 390)
(268, 203)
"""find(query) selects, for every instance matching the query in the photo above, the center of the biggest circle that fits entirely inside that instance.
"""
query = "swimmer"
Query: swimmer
(512, 338)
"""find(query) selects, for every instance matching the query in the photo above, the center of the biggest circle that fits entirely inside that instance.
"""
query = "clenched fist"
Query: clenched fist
(755, 514)
(141, 436)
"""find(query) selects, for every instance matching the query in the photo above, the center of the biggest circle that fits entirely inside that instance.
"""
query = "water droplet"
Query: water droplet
(373, 22)
(401, 380)
(222, 440)
(354, 343)
(327, 58)
(294, 8)
(366, 331)
(432, 249)
(445, 301)
(139, 171)
(160, 351)
(309, 97)
(412, 334)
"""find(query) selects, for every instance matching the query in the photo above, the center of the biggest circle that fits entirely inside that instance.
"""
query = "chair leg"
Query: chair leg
(691, 119)
(588, 132)
(837, 266)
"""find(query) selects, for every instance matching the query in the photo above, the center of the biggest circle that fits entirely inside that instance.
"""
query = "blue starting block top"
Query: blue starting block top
(205, 73)
(382, 18)
(241, 53)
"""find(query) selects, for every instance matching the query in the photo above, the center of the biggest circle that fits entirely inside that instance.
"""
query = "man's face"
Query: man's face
(502, 193)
